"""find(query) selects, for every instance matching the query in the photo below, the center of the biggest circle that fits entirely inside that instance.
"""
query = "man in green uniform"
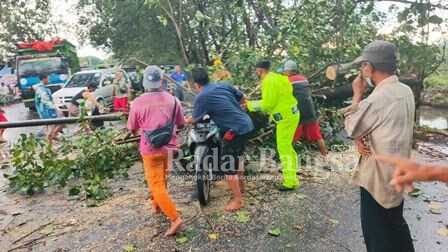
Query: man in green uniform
(277, 99)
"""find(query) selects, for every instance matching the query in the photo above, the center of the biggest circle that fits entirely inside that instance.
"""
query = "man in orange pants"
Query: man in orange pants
(151, 111)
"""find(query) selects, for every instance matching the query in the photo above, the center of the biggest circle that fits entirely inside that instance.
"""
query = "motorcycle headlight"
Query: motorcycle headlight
(63, 77)
(23, 81)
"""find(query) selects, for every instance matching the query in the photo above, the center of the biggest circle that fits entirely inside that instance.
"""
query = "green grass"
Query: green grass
(438, 80)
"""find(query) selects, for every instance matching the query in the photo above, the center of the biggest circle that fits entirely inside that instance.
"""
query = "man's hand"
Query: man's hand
(363, 149)
(60, 112)
(359, 87)
(243, 102)
(189, 120)
(406, 172)
(187, 85)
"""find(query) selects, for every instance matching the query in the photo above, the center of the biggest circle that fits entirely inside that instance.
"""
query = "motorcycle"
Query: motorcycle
(204, 141)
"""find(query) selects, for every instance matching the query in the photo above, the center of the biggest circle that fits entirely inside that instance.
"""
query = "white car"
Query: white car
(79, 81)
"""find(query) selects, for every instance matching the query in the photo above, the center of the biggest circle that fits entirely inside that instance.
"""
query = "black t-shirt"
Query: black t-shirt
(301, 91)
(78, 96)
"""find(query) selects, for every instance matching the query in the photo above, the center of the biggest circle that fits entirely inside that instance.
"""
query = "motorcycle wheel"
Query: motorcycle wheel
(203, 174)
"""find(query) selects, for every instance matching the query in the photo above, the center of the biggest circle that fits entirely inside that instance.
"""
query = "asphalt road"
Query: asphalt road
(327, 219)
(18, 112)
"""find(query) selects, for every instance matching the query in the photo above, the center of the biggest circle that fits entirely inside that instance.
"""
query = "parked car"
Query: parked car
(102, 77)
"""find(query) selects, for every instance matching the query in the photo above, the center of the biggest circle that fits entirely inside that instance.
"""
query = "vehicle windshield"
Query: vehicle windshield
(83, 79)
(40, 65)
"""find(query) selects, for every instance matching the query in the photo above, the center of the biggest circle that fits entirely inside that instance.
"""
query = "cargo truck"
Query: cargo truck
(57, 59)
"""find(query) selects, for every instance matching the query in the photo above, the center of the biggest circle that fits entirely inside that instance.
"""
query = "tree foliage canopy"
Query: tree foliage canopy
(22, 20)
(126, 28)
(314, 33)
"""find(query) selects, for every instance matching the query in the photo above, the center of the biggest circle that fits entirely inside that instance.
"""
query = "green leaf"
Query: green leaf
(259, 197)
(279, 37)
(369, 8)
(193, 24)
(163, 20)
(47, 230)
(425, 198)
(129, 248)
(199, 16)
(435, 19)
(301, 196)
(242, 217)
(334, 221)
(415, 193)
(192, 233)
(182, 240)
(73, 191)
(274, 232)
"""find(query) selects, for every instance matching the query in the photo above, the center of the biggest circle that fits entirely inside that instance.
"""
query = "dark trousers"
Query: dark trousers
(384, 229)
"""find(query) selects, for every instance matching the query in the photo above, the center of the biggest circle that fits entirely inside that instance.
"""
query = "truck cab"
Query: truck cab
(57, 59)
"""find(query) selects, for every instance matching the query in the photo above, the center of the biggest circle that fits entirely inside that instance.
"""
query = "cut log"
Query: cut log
(334, 71)
(330, 95)
(345, 91)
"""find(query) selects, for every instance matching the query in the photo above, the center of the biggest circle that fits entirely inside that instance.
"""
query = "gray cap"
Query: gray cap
(290, 65)
(378, 52)
(152, 77)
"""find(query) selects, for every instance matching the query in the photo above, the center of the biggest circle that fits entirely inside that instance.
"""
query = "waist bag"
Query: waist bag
(162, 136)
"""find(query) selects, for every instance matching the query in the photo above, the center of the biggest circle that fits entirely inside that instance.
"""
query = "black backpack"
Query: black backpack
(161, 136)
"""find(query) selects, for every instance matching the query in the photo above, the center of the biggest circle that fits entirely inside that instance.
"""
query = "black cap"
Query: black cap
(264, 64)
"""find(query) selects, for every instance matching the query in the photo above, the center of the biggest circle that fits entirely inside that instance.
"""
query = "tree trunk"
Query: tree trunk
(248, 25)
(206, 57)
(417, 87)
(181, 43)
(336, 94)
(170, 13)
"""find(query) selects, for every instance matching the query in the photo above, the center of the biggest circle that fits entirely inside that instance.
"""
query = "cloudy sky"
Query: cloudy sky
(64, 13)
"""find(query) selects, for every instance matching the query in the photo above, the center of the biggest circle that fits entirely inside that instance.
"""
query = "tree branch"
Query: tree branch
(440, 6)
(439, 64)
(178, 32)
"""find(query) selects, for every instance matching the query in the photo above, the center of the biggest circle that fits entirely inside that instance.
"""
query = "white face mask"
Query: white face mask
(369, 82)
